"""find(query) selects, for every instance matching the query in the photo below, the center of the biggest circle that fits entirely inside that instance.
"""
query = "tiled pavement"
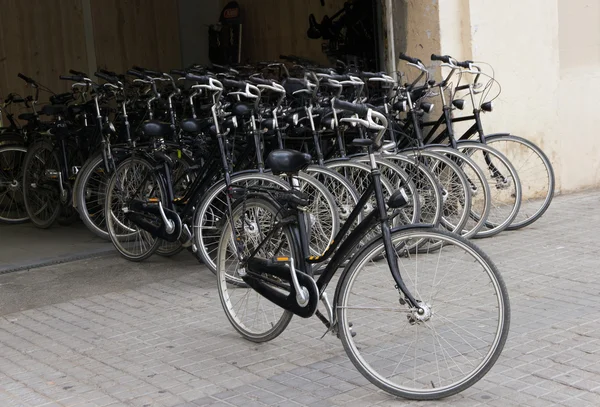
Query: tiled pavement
(168, 343)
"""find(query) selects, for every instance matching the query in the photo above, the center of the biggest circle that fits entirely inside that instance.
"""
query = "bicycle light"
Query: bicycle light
(427, 107)
(487, 106)
(401, 105)
(459, 104)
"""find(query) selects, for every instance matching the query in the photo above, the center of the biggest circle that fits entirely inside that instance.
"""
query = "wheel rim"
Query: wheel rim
(132, 181)
(535, 174)
(430, 356)
(41, 190)
(12, 203)
(251, 314)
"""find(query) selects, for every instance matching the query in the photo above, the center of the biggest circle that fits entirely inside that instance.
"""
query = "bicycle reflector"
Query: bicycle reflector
(487, 106)
(459, 104)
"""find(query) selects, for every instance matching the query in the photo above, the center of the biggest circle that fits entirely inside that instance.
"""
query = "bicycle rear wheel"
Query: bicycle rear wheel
(253, 316)
(448, 346)
(41, 190)
(535, 173)
(12, 205)
(504, 182)
(134, 179)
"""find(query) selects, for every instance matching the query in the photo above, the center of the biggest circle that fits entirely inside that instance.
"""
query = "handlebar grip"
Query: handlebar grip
(74, 78)
(260, 81)
(26, 78)
(198, 78)
(153, 73)
(464, 64)
(147, 72)
(106, 77)
(406, 58)
(135, 73)
(228, 83)
(359, 109)
(443, 58)
(77, 73)
(109, 73)
(178, 72)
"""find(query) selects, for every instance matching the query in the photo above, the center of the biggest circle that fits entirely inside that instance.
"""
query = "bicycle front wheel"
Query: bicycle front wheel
(450, 342)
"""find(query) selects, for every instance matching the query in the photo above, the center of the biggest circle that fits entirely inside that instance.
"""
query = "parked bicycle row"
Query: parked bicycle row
(142, 100)
(281, 172)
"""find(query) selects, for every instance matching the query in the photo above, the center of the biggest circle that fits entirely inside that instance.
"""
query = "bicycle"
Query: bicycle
(265, 276)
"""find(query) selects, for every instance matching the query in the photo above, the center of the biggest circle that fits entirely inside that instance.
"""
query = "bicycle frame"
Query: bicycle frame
(342, 245)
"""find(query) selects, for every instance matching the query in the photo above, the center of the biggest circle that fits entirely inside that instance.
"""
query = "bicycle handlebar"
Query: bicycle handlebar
(78, 73)
(229, 83)
(198, 78)
(406, 58)
(149, 72)
(135, 73)
(106, 77)
(359, 109)
(443, 58)
(27, 79)
(74, 78)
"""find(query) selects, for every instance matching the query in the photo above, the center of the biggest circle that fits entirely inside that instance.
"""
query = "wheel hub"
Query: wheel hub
(345, 211)
(421, 314)
(251, 228)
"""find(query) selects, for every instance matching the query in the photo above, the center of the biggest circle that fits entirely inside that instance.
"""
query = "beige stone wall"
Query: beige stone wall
(546, 56)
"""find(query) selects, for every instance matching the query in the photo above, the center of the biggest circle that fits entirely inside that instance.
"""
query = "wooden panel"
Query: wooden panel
(42, 39)
(274, 27)
(136, 32)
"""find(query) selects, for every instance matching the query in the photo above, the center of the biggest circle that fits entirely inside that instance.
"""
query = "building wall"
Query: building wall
(194, 18)
(45, 38)
(546, 56)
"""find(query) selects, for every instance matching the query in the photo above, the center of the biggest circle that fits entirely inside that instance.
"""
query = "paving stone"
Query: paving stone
(168, 343)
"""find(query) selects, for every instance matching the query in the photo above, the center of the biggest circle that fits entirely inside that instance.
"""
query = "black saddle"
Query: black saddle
(287, 161)
(154, 128)
(243, 110)
(193, 125)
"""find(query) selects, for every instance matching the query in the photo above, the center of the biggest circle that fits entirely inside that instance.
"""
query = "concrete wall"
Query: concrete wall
(578, 90)
(194, 18)
(546, 56)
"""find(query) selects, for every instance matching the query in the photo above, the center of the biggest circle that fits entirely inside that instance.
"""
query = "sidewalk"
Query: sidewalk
(106, 332)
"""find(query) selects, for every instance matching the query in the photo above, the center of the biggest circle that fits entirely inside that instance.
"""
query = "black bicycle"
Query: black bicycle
(419, 323)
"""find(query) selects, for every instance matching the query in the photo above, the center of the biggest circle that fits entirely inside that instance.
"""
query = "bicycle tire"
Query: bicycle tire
(12, 204)
(262, 217)
(530, 209)
(121, 230)
(41, 195)
(372, 340)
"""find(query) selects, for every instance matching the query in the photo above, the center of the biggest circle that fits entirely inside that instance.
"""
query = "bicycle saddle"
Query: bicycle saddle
(287, 161)
(154, 128)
